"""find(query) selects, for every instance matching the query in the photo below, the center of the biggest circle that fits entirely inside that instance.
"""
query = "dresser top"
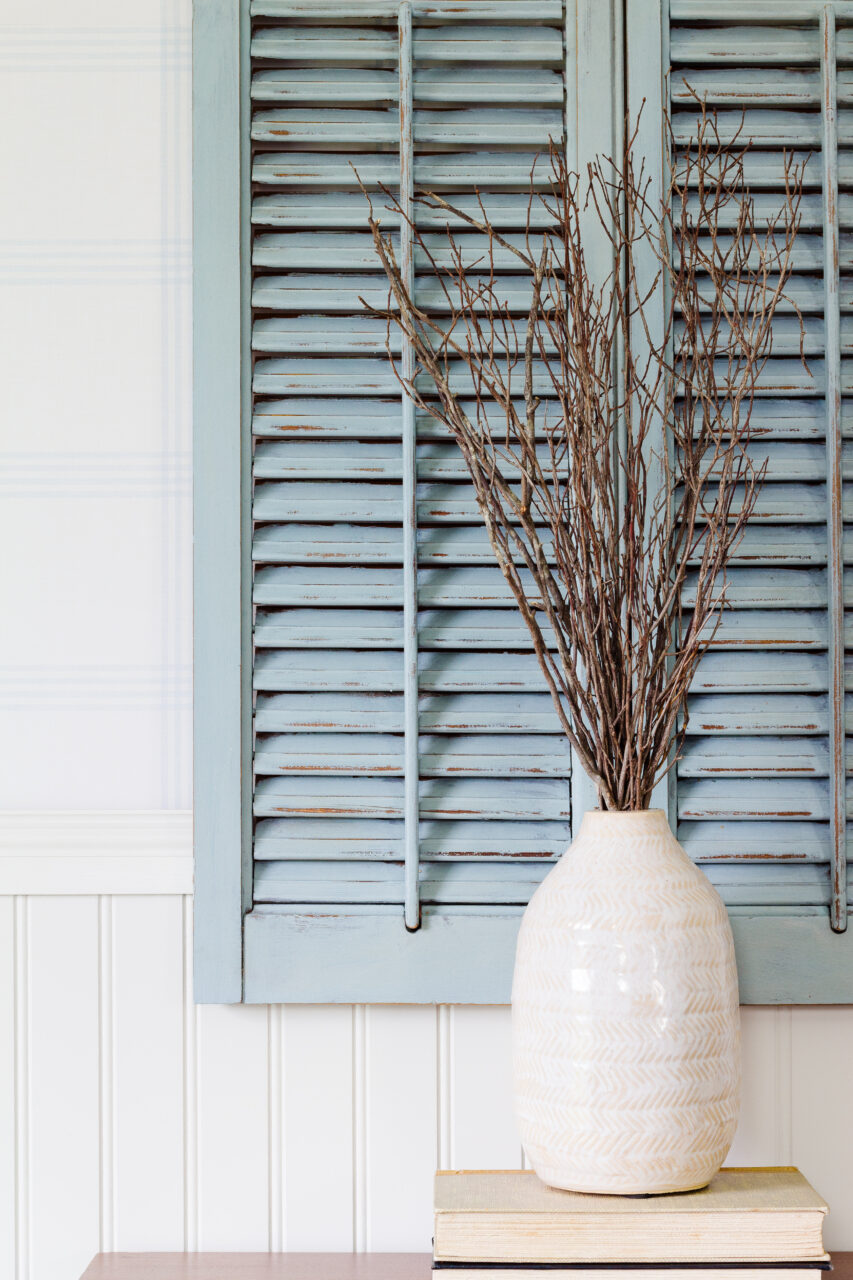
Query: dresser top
(295, 1266)
(259, 1266)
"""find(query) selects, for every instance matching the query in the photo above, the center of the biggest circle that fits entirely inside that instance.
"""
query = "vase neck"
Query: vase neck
(625, 824)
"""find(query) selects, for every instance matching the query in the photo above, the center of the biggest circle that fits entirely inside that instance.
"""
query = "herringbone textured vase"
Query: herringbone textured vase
(626, 1027)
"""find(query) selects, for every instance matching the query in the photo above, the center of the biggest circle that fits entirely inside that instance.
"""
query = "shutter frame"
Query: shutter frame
(366, 957)
(222, 694)
(334, 954)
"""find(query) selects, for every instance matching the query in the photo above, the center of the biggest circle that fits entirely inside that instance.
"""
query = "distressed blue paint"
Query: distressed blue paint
(537, 46)
(774, 12)
(491, 881)
(369, 11)
(467, 956)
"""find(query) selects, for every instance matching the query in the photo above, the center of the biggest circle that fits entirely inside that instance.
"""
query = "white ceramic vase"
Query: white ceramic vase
(625, 1019)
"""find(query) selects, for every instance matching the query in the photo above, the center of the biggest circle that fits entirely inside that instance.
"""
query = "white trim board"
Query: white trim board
(96, 851)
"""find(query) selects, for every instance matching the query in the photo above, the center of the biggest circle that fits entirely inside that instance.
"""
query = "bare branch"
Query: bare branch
(615, 493)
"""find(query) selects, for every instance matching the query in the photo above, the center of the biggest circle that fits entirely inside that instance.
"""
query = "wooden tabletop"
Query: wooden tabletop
(292, 1266)
(259, 1266)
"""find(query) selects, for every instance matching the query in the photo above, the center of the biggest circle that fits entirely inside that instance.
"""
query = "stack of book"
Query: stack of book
(749, 1224)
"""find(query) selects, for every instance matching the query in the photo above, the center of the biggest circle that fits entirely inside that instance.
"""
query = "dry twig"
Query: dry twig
(614, 545)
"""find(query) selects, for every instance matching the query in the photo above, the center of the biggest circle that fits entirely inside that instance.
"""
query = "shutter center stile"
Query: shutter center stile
(411, 785)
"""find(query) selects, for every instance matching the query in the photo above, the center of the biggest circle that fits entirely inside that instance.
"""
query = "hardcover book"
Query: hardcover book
(637, 1271)
(743, 1216)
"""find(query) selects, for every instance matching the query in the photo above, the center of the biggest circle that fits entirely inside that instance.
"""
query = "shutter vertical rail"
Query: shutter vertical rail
(645, 22)
(412, 907)
(594, 120)
(835, 571)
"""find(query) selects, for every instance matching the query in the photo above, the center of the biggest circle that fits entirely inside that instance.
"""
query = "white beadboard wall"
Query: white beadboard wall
(130, 1119)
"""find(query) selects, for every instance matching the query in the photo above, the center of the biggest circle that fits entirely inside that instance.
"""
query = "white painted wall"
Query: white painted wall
(129, 1119)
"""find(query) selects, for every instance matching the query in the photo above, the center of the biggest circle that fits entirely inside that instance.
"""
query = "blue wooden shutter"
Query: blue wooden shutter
(322, 826)
(487, 769)
(761, 786)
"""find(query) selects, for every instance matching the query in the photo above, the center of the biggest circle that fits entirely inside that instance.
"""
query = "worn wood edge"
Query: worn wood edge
(466, 957)
(792, 959)
(341, 957)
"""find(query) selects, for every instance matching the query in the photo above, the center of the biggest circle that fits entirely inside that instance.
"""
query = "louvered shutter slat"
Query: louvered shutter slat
(470, 713)
(366, 129)
(464, 799)
(463, 42)
(370, 11)
(763, 670)
(311, 210)
(786, 714)
(375, 882)
(330, 544)
(740, 44)
(471, 755)
(361, 839)
(444, 672)
(530, 86)
(441, 172)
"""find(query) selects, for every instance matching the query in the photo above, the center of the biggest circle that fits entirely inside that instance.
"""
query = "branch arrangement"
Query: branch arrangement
(606, 423)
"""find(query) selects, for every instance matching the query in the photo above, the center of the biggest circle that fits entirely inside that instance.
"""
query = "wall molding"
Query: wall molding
(96, 851)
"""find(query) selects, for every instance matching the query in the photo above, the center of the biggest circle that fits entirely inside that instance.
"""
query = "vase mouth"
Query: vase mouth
(624, 819)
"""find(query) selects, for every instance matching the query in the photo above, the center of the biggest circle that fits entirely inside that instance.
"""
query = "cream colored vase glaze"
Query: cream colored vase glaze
(625, 1019)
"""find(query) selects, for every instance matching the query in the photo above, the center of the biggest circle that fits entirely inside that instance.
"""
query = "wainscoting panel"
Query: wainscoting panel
(402, 1079)
(142, 1040)
(232, 1128)
(8, 1042)
(64, 1077)
(820, 1061)
(479, 1097)
(130, 1119)
(315, 1100)
(764, 1133)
